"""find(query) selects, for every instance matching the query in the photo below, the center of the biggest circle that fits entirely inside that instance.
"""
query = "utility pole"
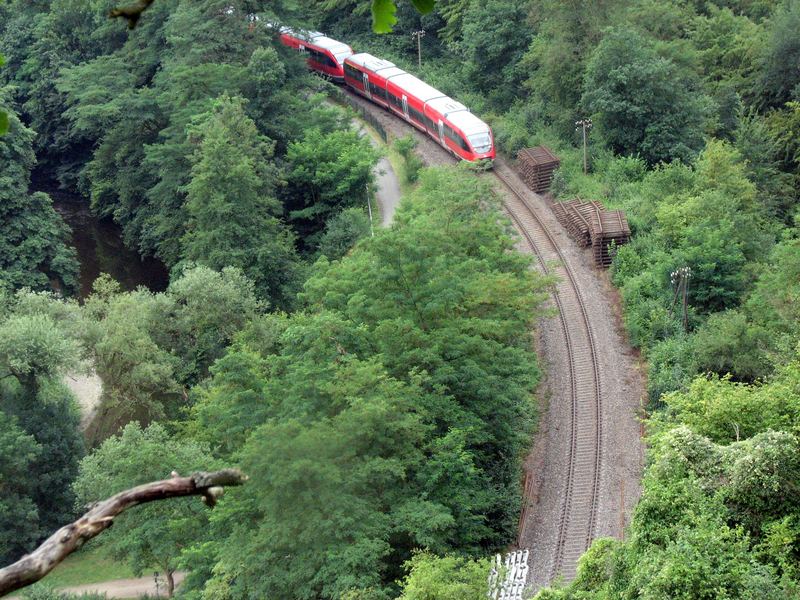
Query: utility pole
(586, 125)
(680, 280)
(369, 209)
(419, 35)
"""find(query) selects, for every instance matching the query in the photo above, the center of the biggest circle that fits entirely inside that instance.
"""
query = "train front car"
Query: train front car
(478, 136)
(325, 55)
(447, 121)
(458, 130)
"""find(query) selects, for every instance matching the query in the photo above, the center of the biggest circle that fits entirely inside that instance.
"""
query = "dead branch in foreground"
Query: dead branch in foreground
(32, 567)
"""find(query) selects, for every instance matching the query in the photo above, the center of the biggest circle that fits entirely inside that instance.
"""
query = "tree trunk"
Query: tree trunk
(170, 583)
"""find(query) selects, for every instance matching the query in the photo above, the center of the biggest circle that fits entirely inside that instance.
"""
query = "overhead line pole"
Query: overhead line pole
(419, 35)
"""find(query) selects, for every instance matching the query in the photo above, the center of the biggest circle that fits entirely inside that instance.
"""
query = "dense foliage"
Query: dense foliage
(386, 410)
(40, 425)
(390, 413)
(141, 122)
(33, 245)
(718, 517)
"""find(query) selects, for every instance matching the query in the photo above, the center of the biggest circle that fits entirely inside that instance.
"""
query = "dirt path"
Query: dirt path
(121, 588)
(622, 387)
(127, 588)
(387, 192)
(87, 390)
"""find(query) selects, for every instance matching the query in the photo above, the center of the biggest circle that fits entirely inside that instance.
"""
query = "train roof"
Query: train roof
(468, 123)
(416, 87)
(302, 34)
(392, 72)
(373, 63)
(327, 43)
(446, 105)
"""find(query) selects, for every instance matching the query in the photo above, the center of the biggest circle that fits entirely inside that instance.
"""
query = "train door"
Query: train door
(405, 105)
(441, 131)
(366, 85)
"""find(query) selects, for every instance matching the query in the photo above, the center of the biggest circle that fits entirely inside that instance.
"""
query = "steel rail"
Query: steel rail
(580, 499)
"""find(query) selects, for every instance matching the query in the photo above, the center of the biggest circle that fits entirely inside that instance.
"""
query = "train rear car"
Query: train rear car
(324, 55)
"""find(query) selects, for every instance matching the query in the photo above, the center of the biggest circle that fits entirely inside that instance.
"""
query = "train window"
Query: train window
(377, 91)
(482, 142)
(395, 101)
(351, 71)
(321, 58)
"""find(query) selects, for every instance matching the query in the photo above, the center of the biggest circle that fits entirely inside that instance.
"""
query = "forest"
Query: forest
(379, 390)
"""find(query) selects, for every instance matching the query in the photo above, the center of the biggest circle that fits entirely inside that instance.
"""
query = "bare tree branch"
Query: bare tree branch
(132, 12)
(32, 567)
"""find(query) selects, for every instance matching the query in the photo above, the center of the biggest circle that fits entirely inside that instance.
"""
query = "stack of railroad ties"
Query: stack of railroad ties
(587, 221)
(590, 224)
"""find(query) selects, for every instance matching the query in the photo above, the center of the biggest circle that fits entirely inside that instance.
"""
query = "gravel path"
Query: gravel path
(388, 191)
(87, 390)
(120, 588)
(622, 385)
(387, 187)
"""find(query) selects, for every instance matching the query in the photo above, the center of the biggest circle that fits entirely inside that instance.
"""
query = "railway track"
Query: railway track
(581, 491)
(579, 495)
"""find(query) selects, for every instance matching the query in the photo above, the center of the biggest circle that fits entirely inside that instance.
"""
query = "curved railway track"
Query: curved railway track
(580, 496)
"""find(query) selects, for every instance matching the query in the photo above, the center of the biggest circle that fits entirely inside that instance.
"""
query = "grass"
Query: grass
(394, 158)
(90, 565)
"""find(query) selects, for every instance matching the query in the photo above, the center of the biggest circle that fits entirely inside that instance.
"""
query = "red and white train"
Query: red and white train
(325, 55)
(447, 121)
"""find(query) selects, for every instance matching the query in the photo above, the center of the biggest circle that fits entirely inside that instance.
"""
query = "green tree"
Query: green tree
(150, 536)
(3, 114)
(231, 203)
(445, 578)
(380, 418)
(494, 39)
(645, 103)
(138, 376)
(779, 70)
(342, 232)
(18, 513)
(329, 172)
(34, 354)
(34, 249)
(199, 316)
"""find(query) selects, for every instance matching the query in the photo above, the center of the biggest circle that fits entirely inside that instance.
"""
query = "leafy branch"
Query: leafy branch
(383, 13)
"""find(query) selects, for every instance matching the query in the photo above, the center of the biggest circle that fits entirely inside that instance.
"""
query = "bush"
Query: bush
(405, 147)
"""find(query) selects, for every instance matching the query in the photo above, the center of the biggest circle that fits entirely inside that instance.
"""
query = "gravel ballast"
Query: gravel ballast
(622, 385)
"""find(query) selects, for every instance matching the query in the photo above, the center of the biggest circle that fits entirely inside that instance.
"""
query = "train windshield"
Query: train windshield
(481, 142)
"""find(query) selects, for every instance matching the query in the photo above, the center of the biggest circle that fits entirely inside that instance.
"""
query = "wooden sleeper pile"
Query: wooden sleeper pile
(536, 167)
(589, 224)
